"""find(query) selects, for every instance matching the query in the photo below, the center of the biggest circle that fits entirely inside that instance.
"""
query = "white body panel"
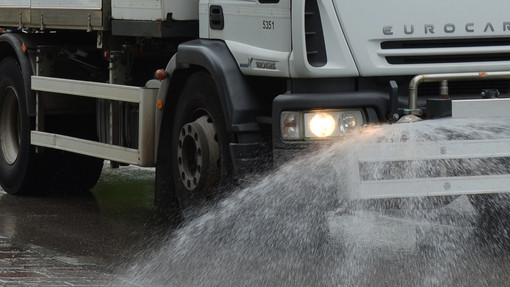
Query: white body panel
(258, 61)
(52, 4)
(480, 108)
(367, 24)
(203, 17)
(278, 49)
(154, 10)
(86, 15)
(143, 10)
(15, 3)
(339, 59)
(258, 35)
(67, 4)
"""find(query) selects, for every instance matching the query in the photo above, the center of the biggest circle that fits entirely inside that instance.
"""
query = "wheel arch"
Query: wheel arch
(240, 105)
(15, 46)
(238, 102)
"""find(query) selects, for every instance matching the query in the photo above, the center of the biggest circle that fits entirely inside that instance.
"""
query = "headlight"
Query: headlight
(320, 124)
(290, 123)
(348, 123)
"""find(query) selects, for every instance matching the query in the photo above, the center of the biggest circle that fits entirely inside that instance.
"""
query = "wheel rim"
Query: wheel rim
(10, 126)
(198, 154)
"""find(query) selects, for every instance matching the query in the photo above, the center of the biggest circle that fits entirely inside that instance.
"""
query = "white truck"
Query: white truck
(237, 84)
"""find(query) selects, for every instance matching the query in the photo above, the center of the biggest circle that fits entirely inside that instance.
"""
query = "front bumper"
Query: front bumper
(437, 160)
(375, 107)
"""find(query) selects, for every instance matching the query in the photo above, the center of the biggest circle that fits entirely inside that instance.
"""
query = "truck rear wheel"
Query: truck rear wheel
(17, 157)
(67, 172)
(22, 171)
(200, 158)
(70, 172)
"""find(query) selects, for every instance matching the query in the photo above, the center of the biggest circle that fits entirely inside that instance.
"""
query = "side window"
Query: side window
(268, 1)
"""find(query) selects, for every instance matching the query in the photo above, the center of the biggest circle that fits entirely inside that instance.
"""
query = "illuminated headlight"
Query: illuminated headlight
(320, 124)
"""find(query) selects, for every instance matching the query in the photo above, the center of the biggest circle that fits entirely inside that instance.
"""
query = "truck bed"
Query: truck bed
(93, 14)
(55, 14)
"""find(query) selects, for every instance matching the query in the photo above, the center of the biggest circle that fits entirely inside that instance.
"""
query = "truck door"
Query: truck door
(257, 32)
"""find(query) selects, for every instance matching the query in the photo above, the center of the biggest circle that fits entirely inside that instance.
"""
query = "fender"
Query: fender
(11, 45)
(240, 105)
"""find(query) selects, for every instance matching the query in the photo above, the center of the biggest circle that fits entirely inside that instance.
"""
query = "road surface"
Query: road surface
(94, 239)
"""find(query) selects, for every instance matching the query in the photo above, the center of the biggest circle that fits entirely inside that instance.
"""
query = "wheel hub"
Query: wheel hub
(198, 154)
(10, 134)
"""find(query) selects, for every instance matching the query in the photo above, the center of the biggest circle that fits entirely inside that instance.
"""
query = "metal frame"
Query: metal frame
(427, 78)
(436, 186)
(144, 97)
(481, 108)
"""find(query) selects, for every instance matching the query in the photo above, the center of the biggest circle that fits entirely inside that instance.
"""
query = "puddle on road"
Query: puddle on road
(286, 230)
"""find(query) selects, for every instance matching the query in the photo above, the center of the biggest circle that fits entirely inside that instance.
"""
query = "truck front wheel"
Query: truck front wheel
(16, 154)
(200, 161)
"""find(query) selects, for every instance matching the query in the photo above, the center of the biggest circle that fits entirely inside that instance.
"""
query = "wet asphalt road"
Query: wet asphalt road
(90, 239)
(70, 233)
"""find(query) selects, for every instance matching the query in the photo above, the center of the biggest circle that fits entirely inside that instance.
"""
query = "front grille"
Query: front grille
(445, 59)
(406, 52)
(446, 43)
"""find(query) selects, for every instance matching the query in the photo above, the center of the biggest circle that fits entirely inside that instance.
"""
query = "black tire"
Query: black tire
(69, 172)
(17, 156)
(85, 172)
(22, 171)
(200, 164)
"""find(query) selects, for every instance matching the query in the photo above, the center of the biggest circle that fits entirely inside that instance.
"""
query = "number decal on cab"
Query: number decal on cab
(267, 24)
